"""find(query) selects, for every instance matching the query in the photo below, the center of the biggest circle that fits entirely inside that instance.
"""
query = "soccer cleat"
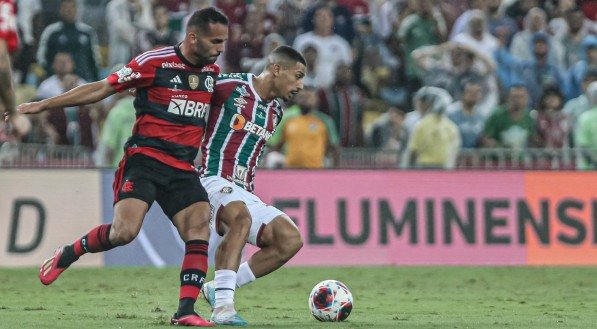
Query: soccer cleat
(191, 320)
(209, 293)
(226, 315)
(49, 270)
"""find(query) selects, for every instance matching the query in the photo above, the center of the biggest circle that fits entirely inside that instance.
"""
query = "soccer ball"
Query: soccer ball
(330, 301)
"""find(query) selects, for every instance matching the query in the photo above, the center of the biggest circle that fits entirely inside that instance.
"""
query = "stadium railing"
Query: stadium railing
(59, 156)
(21, 155)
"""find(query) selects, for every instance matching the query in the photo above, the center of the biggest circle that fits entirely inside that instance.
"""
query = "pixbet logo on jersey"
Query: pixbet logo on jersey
(188, 108)
(239, 122)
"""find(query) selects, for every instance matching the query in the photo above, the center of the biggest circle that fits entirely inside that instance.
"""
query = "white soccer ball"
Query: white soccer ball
(330, 301)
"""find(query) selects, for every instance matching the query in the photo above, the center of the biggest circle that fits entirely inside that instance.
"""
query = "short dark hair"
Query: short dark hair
(210, 15)
(287, 56)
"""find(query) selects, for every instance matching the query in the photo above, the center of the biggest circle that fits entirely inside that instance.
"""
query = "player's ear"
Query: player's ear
(276, 68)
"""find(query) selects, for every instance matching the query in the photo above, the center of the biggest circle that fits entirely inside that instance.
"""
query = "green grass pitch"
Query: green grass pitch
(384, 297)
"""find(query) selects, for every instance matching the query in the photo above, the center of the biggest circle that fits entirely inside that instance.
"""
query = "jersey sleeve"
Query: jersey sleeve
(132, 75)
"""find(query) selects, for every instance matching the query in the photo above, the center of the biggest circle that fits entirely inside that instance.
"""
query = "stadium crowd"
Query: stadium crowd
(425, 79)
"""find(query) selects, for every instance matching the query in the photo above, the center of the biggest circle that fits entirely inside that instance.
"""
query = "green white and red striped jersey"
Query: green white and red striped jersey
(238, 126)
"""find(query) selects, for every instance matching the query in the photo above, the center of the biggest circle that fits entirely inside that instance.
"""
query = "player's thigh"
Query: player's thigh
(278, 232)
(185, 202)
(135, 189)
(227, 201)
(234, 214)
(128, 217)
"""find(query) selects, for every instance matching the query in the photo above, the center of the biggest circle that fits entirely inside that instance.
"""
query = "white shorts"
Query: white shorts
(221, 192)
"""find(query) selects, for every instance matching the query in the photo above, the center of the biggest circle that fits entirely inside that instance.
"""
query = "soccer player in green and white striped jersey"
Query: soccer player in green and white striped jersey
(245, 110)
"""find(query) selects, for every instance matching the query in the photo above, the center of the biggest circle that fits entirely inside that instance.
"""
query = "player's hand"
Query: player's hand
(30, 108)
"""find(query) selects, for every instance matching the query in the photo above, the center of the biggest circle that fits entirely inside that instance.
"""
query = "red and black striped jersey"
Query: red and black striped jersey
(172, 101)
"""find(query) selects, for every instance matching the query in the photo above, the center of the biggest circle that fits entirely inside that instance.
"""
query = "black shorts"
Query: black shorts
(149, 180)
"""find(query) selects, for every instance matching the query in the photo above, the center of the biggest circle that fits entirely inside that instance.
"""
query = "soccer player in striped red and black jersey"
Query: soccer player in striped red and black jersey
(245, 112)
(174, 86)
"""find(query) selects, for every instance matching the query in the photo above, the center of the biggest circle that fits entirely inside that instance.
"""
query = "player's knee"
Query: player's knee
(241, 223)
(197, 229)
(122, 235)
(291, 244)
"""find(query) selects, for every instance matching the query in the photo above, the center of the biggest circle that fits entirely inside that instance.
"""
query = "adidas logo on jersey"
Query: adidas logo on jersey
(187, 108)
(176, 80)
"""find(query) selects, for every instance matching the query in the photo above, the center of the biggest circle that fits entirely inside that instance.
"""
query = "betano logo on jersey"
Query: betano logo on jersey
(188, 108)
(239, 122)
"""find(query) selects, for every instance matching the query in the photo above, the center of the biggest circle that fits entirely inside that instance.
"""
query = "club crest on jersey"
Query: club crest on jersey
(188, 108)
(239, 122)
(193, 81)
(209, 84)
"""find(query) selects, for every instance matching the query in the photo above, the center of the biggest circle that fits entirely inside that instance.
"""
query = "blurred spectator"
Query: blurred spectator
(448, 65)
(159, 37)
(62, 66)
(511, 125)
(535, 21)
(235, 10)
(580, 68)
(372, 57)
(70, 36)
(125, 18)
(358, 8)
(245, 41)
(577, 30)
(465, 114)
(332, 50)
(553, 127)
(585, 134)
(290, 13)
(422, 106)
(435, 140)
(271, 42)
(93, 13)
(461, 23)
(309, 137)
(425, 26)
(517, 10)
(341, 19)
(387, 131)
(387, 15)
(344, 102)
(577, 106)
(72, 125)
(536, 74)
(477, 36)
(500, 25)
(29, 22)
(312, 78)
(116, 130)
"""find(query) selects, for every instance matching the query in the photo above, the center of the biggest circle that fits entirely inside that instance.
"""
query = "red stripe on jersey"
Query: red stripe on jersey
(187, 135)
(161, 157)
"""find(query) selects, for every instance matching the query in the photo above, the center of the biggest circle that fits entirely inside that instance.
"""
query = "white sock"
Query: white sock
(244, 275)
(225, 281)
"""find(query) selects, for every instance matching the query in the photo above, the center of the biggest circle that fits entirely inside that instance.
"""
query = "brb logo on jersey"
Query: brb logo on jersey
(187, 108)
(239, 122)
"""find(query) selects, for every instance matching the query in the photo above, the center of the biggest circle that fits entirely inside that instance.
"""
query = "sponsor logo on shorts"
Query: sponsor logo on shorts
(226, 189)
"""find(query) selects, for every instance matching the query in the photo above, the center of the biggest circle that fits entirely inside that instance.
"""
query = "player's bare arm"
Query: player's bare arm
(85, 94)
